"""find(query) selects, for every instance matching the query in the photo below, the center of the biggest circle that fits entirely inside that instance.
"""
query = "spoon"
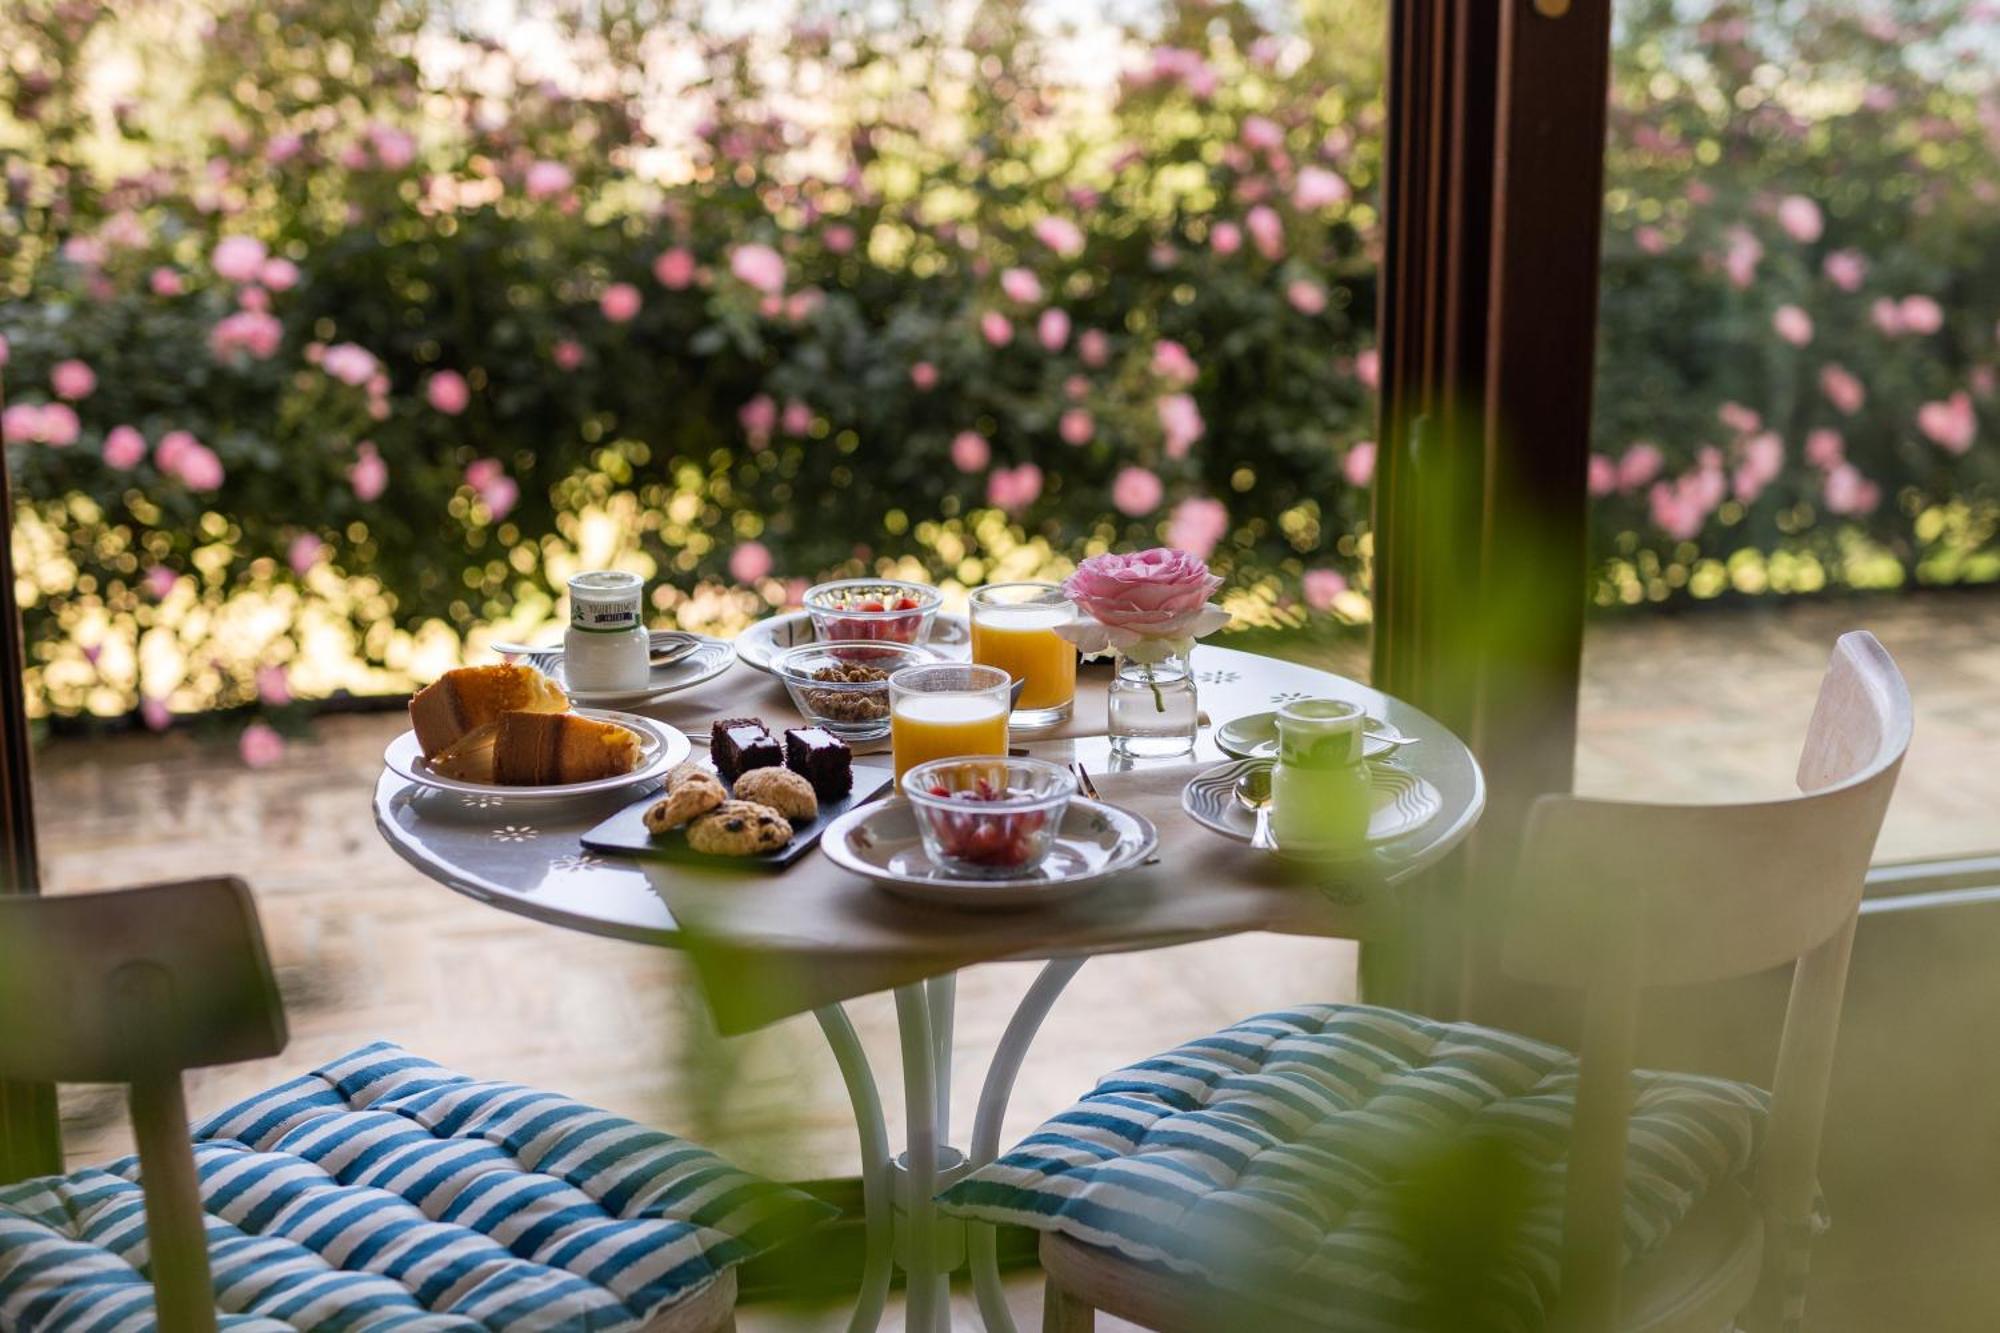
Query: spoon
(665, 647)
(1253, 792)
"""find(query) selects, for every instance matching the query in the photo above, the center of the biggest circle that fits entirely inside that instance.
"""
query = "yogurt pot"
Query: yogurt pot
(605, 648)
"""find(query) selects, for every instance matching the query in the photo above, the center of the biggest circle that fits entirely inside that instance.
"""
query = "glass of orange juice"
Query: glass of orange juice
(947, 710)
(1014, 628)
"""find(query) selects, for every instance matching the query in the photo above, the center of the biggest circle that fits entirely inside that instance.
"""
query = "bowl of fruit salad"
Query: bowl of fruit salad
(988, 818)
(872, 609)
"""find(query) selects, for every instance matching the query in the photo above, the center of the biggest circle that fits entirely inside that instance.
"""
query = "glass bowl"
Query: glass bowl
(872, 610)
(850, 696)
(989, 818)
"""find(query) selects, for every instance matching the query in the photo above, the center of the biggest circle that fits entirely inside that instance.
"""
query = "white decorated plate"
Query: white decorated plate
(950, 638)
(660, 748)
(1094, 842)
(1403, 804)
(1255, 736)
(709, 659)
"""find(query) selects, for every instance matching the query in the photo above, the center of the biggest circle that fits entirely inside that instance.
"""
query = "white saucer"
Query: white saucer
(1255, 736)
(1094, 842)
(705, 663)
(660, 748)
(1403, 803)
(950, 638)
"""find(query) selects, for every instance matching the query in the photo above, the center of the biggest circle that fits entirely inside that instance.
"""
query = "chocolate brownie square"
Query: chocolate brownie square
(821, 758)
(739, 744)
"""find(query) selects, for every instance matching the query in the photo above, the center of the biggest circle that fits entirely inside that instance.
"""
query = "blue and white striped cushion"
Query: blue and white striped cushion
(383, 1191)
(1275, 1157)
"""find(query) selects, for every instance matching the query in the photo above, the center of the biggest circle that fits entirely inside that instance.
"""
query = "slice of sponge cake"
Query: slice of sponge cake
(538, 749)
(461, 701)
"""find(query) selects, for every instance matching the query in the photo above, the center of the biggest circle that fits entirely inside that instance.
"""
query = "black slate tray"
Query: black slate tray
(625, 833)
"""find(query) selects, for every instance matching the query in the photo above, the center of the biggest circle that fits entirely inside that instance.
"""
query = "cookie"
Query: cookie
(694, 795)
(688, 768)
(781, 789)
(739, 828)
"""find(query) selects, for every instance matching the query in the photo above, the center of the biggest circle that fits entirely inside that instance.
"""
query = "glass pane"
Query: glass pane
(1796, 397)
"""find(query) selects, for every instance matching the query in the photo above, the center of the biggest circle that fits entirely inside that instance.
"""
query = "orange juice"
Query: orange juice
(924, 727)
(1021, 641)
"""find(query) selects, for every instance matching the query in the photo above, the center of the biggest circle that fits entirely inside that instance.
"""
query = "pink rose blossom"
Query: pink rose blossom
(283, 147)
(1740, 261)
(1921, 315)
(1262, 134)
(350, 363)
(620, 302)
(1308, 298)
(1060, 235)
(1368, 368)
(803, 304)
(1322, 587)
(448, 392)
(1792, 324)
(124, 448)
(759, 267)
(1801, 218)
(1951, 424)
(923, 376)
(72, 379)
(1093, 348)
(797, 418)
(1076, 426)
(567, 354)
(1358, 465)
(280, 275)
(1196, 525)
(1842, 389)
(546, 180)
(274, 687)
(168, 452)
(165, 282)
(1650, 240)
(1225, 238)
(1639, 465)
(1763, 457)
(483, 472)
(1848, 492)
(1172, 363)
(1846, 269)
(1887, 316)
(248, 331)
(260, 746)
(369, 475)
(1136, 492)
(758, 417)
(1825, 449)
(1602, 476)
(394, 148)
(500, 496)
(1143, 604)
(1021, 285)
(1052, 329)
(1739, 418)
(1180, 424)
(303, 553)
(996, 328)
(750, 562)
(1674, 511)
(154, 713)
(254, 299)
(1267, 231)
(970, 452)
(1014, 489)
(238, 258)
(21, 423)
(160, 582)
(839, 238)
(59, 425)
(1319, 188)
(674, 269)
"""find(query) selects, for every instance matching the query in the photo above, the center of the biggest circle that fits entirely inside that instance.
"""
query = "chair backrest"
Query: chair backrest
(133, 987)
(1617, 897)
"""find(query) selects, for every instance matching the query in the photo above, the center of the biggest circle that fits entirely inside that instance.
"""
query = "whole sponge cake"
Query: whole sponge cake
(543, 749)
(461, 701)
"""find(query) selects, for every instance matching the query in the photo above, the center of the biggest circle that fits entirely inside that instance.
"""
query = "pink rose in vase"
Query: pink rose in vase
(1147, 606)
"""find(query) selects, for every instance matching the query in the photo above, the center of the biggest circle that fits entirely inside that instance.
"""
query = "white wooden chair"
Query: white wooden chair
(1616, 898)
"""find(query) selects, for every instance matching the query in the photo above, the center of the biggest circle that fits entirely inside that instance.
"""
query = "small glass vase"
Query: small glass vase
(1152, 712)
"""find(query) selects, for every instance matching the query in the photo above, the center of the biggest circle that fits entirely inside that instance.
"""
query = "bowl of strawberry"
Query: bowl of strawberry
(988, 818)
(859, 610)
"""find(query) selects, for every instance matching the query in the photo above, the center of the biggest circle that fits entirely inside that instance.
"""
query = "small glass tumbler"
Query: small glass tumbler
(1014, 629)
(947, 710)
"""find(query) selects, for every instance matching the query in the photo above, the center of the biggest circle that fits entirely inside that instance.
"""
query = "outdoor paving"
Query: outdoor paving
(1698, 707)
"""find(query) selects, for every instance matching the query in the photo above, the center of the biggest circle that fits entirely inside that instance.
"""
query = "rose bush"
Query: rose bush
(353, 345)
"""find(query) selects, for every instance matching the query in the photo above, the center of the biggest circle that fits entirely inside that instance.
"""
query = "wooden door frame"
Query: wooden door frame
(1493, 198)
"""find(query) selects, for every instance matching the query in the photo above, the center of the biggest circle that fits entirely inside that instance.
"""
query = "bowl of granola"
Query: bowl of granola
(843, 685)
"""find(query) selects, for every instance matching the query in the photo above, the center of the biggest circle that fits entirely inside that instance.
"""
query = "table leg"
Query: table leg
(993, 1097)
(877, 1206)
(926, 1288)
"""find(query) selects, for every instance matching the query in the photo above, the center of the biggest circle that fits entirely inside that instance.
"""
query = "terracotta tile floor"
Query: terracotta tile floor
(1707, 706)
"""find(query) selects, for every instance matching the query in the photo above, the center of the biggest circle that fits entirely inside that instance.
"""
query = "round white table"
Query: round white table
(527, 858)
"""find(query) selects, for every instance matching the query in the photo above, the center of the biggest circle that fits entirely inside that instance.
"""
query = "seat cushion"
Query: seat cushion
(383, 1191)
(1358, 1163)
